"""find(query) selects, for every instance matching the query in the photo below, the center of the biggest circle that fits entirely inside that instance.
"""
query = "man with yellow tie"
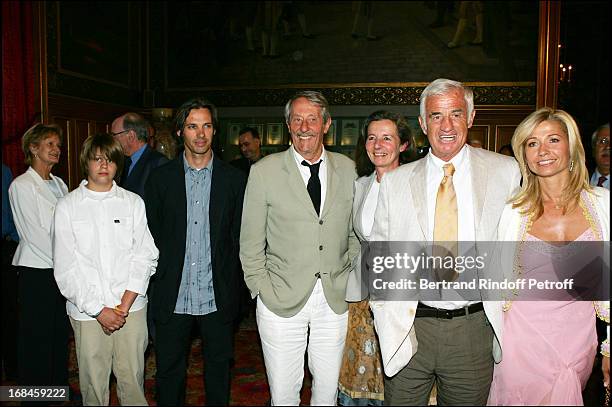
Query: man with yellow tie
(454, 194)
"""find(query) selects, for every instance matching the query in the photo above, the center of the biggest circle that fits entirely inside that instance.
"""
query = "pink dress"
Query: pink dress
(548, 346)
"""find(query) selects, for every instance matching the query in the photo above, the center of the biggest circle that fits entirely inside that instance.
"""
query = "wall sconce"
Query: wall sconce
(565, 73)
(565, 70)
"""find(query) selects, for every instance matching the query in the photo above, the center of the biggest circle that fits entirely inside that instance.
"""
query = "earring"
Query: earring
(571, 166)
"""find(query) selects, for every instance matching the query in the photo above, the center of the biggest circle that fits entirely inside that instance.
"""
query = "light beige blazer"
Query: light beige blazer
(401, 215)
(284, 246)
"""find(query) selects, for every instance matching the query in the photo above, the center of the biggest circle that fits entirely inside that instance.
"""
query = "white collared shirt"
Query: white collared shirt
(101, 248)
(369, 208)
(595, 179)
(462, 181)
(305, 173)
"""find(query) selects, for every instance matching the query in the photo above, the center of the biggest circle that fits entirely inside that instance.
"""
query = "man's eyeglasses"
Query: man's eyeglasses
(118, 133)
(604, 141)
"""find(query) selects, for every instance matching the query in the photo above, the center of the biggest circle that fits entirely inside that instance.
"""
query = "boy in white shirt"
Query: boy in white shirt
(104, 256)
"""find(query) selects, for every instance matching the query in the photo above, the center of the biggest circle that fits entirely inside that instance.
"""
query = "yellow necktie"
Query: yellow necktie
(445, 222)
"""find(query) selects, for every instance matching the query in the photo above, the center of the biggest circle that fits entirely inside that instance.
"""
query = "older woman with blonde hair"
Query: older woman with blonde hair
(549, 346)
(43, 324)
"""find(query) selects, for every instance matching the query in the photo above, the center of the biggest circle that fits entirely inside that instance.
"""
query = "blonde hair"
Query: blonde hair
(529, 197)
(35, 135)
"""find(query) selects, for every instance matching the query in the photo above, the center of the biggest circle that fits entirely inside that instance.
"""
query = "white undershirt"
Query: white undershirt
(369, 208)
(305, 173)
(54, 187)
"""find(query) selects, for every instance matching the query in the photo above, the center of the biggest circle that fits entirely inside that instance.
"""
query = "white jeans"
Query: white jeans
(284, 342)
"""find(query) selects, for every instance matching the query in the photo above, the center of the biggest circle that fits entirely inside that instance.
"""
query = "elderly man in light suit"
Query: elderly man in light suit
(296, 243)
(451, 343)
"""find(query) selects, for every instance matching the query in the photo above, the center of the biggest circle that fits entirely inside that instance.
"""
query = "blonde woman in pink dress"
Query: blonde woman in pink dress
(549, 346)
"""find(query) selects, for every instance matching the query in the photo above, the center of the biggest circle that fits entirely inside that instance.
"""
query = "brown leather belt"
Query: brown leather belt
(424, 311)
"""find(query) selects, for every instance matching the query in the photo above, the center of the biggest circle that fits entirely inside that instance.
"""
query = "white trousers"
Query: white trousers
(284, 342)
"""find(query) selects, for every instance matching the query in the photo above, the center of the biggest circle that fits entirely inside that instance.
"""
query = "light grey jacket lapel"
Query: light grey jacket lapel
(332, 181)
(418, 190)
(44, 191)
(479, 172)
(296, 182)
(362, 189)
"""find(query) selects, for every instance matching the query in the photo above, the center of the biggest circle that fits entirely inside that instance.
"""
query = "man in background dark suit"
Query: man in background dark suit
(132, 131)
(600, 143)
(194, 209)
(250, 148)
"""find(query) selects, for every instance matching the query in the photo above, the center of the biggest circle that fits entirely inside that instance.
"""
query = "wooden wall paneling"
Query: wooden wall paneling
(79, 118)
(83, 130)
(481, 133)
(503, 135)
(62, 169)
(548, 54)
(501, 122)
(92, 110)
(101, 127)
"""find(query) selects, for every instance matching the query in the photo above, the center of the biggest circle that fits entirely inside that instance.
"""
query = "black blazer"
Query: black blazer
(242, 164)
(149, 160)
(166, 204)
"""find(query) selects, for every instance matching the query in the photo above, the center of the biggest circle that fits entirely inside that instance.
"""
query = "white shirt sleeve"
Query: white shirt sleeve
(34, 232)
(145, 253)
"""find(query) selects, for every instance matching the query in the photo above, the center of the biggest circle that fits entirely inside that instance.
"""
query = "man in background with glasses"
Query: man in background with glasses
(601, 152)
(132, 131)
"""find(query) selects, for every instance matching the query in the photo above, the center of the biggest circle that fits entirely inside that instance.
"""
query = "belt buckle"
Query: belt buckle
(447, 314)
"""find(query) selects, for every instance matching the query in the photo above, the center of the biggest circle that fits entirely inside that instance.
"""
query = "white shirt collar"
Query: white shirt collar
(88, 193)
(457, 160)
(298, 157)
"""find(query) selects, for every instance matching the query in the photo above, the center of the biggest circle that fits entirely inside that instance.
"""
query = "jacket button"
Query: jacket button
(320, 222)
(320, 247)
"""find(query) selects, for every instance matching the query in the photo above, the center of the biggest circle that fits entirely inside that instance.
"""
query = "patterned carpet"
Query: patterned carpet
(249, 385)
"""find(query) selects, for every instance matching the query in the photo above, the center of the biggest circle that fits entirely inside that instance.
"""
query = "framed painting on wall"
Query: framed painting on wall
(274, 137)
(503, 62)
(350, 132)
(330, 137)
(103, 54)
(233, 130)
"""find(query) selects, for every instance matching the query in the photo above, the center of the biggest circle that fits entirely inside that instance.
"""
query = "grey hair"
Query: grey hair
(596, 132)
(313, 97)
(137, 123)
(443, 86)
